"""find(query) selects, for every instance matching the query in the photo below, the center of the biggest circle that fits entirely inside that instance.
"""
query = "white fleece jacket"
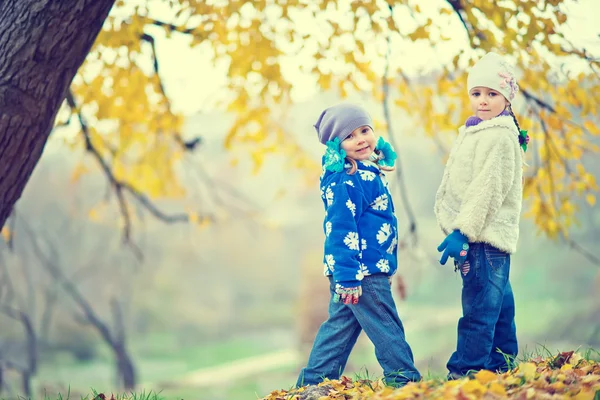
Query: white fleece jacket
(482, 188)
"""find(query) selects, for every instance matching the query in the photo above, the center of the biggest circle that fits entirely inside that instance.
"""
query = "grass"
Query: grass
(101, 396)
(158, 359)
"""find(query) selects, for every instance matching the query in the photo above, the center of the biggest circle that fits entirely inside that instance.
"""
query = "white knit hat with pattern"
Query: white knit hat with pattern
(494, 72)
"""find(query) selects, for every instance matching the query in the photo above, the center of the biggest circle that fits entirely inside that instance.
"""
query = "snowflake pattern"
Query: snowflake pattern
(366, 175)
(384, 233)
(380, 203)
(349, 183)
(363, 244)
(392, 247)
(329, 196)
(330, 262)
(327, 228)
(351, 240)
(383, 265)
(364, 269)
(351, 206)
(359, 275)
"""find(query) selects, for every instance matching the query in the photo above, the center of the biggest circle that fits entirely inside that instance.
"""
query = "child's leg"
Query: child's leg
(484, 279)
(334, 342)
(505, 335)
(376, 312)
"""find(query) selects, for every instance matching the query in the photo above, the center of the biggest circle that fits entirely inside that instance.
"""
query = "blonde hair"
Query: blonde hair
(354, 165)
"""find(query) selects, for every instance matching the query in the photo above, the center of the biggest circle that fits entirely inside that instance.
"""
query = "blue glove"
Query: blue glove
(456, 245)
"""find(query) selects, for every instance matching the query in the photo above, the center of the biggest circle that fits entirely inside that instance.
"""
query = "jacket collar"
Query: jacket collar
(499, 122)
(360, 166)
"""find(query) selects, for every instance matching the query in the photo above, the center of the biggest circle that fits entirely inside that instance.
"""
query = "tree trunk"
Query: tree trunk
(125, 367)
(43, 43)
(26, 384)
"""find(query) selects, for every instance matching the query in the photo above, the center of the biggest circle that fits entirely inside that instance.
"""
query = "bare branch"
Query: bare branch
(401, 183)
(186, 145)
(459, 9)
(118, 320)
(51, 296)
(6, 282)
(123, 360)
(173, 28)
(25, 320)
(120, 187)
(51, 265)
(581, 250)
(220, 186)
(529, 96)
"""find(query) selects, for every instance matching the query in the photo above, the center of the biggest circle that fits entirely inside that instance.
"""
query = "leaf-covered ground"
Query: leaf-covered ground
(567, 375)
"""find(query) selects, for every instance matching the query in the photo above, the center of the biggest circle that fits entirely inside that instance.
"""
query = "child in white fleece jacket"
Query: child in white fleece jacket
(478, 207)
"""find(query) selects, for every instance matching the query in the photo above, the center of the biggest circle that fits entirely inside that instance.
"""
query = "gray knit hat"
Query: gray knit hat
(340, 121)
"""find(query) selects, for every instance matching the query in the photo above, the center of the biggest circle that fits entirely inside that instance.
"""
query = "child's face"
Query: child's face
(487, 103)
(360, 143)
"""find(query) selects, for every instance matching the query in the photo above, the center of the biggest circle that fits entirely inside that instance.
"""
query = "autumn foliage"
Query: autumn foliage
(269, 48)
(566, 375)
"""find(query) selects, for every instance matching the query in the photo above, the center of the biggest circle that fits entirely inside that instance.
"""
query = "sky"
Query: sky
(192, 82)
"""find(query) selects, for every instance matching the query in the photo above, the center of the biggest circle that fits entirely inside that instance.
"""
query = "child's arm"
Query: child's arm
(344, 206)
(493, 176)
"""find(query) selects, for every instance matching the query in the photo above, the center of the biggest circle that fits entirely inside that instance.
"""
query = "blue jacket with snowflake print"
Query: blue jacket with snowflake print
(360, 225)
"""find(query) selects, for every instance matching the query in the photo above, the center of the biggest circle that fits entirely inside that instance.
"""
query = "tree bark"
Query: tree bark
(125, 367)
(43, 43)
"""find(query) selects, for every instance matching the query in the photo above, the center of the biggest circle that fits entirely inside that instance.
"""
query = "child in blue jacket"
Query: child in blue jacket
(360, 250)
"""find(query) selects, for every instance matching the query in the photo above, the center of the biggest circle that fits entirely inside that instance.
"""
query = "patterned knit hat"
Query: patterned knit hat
(340, 121)
(494, 72)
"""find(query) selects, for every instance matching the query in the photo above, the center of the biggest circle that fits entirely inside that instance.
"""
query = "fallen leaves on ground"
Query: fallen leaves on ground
(564, 376)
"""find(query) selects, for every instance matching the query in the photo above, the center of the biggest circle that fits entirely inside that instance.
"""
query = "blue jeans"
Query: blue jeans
(488, 322)
(376, 314)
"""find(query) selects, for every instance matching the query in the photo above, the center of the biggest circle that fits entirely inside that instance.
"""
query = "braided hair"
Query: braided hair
(522, 139)
(514, 117)
(375, 157)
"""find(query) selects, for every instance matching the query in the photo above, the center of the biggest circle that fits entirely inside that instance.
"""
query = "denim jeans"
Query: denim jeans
(488, 322)
(376, 314)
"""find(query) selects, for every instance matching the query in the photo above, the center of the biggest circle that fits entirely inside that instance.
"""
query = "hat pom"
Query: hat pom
(389, 155)
(334, 157)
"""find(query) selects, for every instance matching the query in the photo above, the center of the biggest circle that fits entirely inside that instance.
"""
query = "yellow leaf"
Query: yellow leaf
(585, 395)
(419, 33)
(6, 233)
(591, 199)
(498, 389)
(93, 215)
(589, 125)
(79, 170)
(566, 367)
(485, 376)
(473, 387)
(193, 217)
(529, 369)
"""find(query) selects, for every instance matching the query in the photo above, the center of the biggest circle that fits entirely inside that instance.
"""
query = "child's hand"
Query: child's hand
(347, 295)
(456, 245)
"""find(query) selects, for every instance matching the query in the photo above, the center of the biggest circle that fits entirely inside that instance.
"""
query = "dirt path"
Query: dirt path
(240, 368)
(221, 374)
